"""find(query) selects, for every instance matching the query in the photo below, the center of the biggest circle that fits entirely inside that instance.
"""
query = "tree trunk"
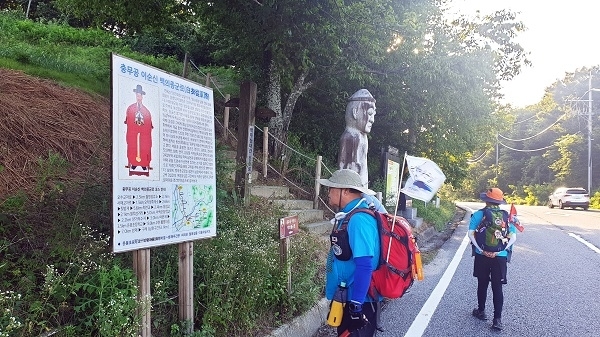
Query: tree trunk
(278, 125)
(274, 103)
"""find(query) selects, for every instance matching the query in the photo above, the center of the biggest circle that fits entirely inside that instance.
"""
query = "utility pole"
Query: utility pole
(589, 186)
(497, 155)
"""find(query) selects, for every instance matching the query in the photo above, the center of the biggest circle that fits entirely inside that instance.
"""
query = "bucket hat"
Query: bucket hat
(493, 195)
(346, 178)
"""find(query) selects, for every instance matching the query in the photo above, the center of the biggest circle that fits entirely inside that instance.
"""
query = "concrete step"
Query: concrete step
(318, 228)
(307, 215)
(409, 213)
(416, 222)
(270, 192)
(293, 203)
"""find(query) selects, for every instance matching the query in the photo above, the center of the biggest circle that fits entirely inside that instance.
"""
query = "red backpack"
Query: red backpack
(400, 258)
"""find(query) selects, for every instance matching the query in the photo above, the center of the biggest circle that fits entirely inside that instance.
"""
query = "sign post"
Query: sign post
(288, 226)
(163, 172)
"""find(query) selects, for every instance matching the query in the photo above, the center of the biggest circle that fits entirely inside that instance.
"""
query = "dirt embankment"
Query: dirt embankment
(39, 117)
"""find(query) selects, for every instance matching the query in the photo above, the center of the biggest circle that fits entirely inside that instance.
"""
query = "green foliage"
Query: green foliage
(595, 200)
(533, 195)
(74, 57)
(295, 165)
(438, 217)
(107, 300)
(9, 301)
(238, 277)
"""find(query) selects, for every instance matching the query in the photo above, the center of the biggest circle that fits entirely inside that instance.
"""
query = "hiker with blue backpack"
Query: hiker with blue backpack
(492, 237)
(354, 255)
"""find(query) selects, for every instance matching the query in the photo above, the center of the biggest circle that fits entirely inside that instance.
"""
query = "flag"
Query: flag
(512, 218)
(425, 178)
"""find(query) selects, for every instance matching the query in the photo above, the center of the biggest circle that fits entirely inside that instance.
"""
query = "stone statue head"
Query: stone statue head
(360, 111)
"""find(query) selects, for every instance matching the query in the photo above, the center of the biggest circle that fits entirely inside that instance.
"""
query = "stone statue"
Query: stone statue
(354, 145)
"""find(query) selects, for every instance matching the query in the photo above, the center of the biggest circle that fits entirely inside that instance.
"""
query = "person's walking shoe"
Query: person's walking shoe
(497, 324)
(480, 314)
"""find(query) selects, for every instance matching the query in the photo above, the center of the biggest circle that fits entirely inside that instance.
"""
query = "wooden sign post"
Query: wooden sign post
(141, 267)
(288, 226)
(186, 284)
(247, 106)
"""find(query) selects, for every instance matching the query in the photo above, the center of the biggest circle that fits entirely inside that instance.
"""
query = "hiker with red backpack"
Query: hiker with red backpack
(492, 236)
(354, 255)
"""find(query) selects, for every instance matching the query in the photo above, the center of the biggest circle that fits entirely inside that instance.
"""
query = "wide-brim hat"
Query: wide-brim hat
(493, 195)
(138, 90)
(346, 178)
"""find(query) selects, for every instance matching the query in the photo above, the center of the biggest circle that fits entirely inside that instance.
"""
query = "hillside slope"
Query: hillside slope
(39, 119)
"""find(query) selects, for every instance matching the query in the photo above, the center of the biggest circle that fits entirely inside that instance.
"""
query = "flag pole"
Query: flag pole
(389, 248)
(400, 184)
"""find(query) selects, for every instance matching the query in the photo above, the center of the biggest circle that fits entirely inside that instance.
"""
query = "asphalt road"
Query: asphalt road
(553, 283)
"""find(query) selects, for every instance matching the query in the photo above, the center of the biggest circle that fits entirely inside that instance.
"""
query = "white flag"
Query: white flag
(425, 178)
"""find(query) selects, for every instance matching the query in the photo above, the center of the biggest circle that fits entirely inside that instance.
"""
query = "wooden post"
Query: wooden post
(186, 289)
(186, 266)
(246, 120)
(284, 260)
(317, 185)
(141, 267)
(226, 118)
(208, 80)
(265, 150)
(185, 65)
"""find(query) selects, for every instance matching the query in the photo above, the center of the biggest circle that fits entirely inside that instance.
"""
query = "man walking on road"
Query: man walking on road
(492, 237)
(354, 254)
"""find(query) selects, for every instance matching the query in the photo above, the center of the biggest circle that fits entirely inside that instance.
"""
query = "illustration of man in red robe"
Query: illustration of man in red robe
(139, 133)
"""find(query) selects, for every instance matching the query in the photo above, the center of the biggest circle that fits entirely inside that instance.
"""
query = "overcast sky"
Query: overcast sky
(562, 36)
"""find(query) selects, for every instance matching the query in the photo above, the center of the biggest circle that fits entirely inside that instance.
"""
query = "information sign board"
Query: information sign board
(163, 156)
(288, 226)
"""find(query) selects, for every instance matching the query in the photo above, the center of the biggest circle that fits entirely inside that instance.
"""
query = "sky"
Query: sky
(561, 36)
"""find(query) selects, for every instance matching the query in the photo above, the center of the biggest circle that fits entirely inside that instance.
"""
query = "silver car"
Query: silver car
(569, 197)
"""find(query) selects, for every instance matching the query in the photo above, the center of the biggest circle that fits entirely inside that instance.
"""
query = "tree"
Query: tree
(297, 44)
(124, 17)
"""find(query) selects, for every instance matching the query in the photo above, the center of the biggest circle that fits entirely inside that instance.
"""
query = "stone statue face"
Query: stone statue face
(361, 115)
(367, 118)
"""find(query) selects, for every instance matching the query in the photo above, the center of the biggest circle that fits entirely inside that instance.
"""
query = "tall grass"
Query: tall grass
(71, 56)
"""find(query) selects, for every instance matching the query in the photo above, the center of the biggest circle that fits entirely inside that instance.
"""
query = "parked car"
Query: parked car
(569, 197)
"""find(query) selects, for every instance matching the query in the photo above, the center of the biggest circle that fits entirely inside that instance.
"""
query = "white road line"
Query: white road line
(418, 326)
(589, 245)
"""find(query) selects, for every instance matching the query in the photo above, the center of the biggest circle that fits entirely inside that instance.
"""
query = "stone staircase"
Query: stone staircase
(310, 219)
(313, 220)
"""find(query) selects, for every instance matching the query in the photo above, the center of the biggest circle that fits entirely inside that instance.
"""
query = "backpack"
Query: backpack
(492, 232)
(399, 257)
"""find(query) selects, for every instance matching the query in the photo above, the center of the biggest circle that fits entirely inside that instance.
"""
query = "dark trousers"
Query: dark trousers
(490, 270)
(370, 311)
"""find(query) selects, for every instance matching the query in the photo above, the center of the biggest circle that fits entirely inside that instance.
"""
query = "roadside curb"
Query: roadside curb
(305, 325)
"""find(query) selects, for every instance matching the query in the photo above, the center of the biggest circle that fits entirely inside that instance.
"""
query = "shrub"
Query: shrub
(240, 280)
(438, 217)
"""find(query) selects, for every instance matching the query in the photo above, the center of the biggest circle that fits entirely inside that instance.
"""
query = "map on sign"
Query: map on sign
(191, 207)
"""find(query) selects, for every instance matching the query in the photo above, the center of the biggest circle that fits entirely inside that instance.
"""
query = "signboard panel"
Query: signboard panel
(392, 181)
(250, 149)
(164, 181)
(288, 226)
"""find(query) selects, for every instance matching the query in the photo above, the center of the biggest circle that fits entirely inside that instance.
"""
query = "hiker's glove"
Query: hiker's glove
(358, 320)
